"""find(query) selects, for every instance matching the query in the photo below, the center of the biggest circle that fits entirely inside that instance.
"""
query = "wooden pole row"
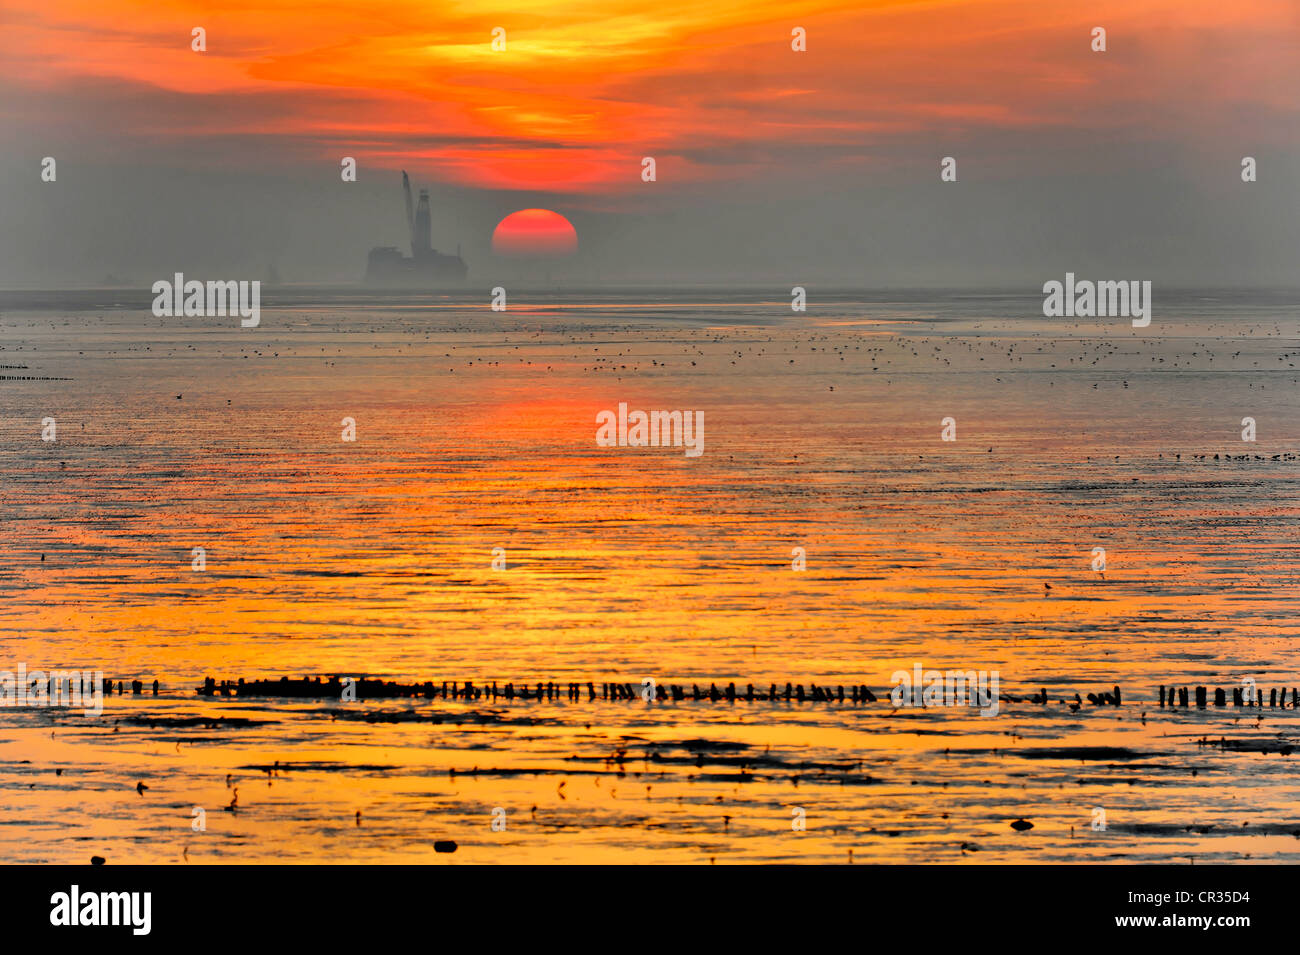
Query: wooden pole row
(1179, 696)
(74, 678)
(653, 691)
(649, 691)
(336, 686)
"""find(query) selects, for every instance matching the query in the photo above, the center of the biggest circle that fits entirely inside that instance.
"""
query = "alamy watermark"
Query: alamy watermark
(654, 429)
(195, 299)
(921, 687)
(58, 688)
(74, 907)
(1087, 299)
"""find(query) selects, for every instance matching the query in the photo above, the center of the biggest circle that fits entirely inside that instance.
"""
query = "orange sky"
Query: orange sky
(584, 90)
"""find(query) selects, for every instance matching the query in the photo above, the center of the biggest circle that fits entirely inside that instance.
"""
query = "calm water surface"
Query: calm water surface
(475, 430)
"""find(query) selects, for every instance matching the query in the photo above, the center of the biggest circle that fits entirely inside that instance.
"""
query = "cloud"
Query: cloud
(581, 93)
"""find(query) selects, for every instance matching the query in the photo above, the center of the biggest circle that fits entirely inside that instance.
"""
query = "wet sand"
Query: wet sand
(476, 431)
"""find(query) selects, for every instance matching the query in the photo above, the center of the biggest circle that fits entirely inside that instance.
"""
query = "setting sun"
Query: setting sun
(534, 233)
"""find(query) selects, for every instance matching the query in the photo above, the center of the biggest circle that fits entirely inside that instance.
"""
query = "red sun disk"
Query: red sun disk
(534, 233)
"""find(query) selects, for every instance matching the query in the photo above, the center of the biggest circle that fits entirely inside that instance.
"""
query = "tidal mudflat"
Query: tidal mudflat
(476, 446)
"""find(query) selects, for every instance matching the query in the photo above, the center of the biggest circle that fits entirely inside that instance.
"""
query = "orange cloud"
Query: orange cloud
(712, 90)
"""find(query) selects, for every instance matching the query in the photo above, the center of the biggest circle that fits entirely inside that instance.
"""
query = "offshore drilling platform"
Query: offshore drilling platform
(425, 266)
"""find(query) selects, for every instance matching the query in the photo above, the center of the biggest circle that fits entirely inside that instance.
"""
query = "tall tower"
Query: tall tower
(410, 215)
(422, 235)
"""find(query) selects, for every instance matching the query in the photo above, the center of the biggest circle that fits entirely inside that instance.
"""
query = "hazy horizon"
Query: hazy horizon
(815, 167)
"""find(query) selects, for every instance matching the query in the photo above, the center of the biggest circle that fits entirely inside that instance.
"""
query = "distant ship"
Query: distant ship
(425, 266)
